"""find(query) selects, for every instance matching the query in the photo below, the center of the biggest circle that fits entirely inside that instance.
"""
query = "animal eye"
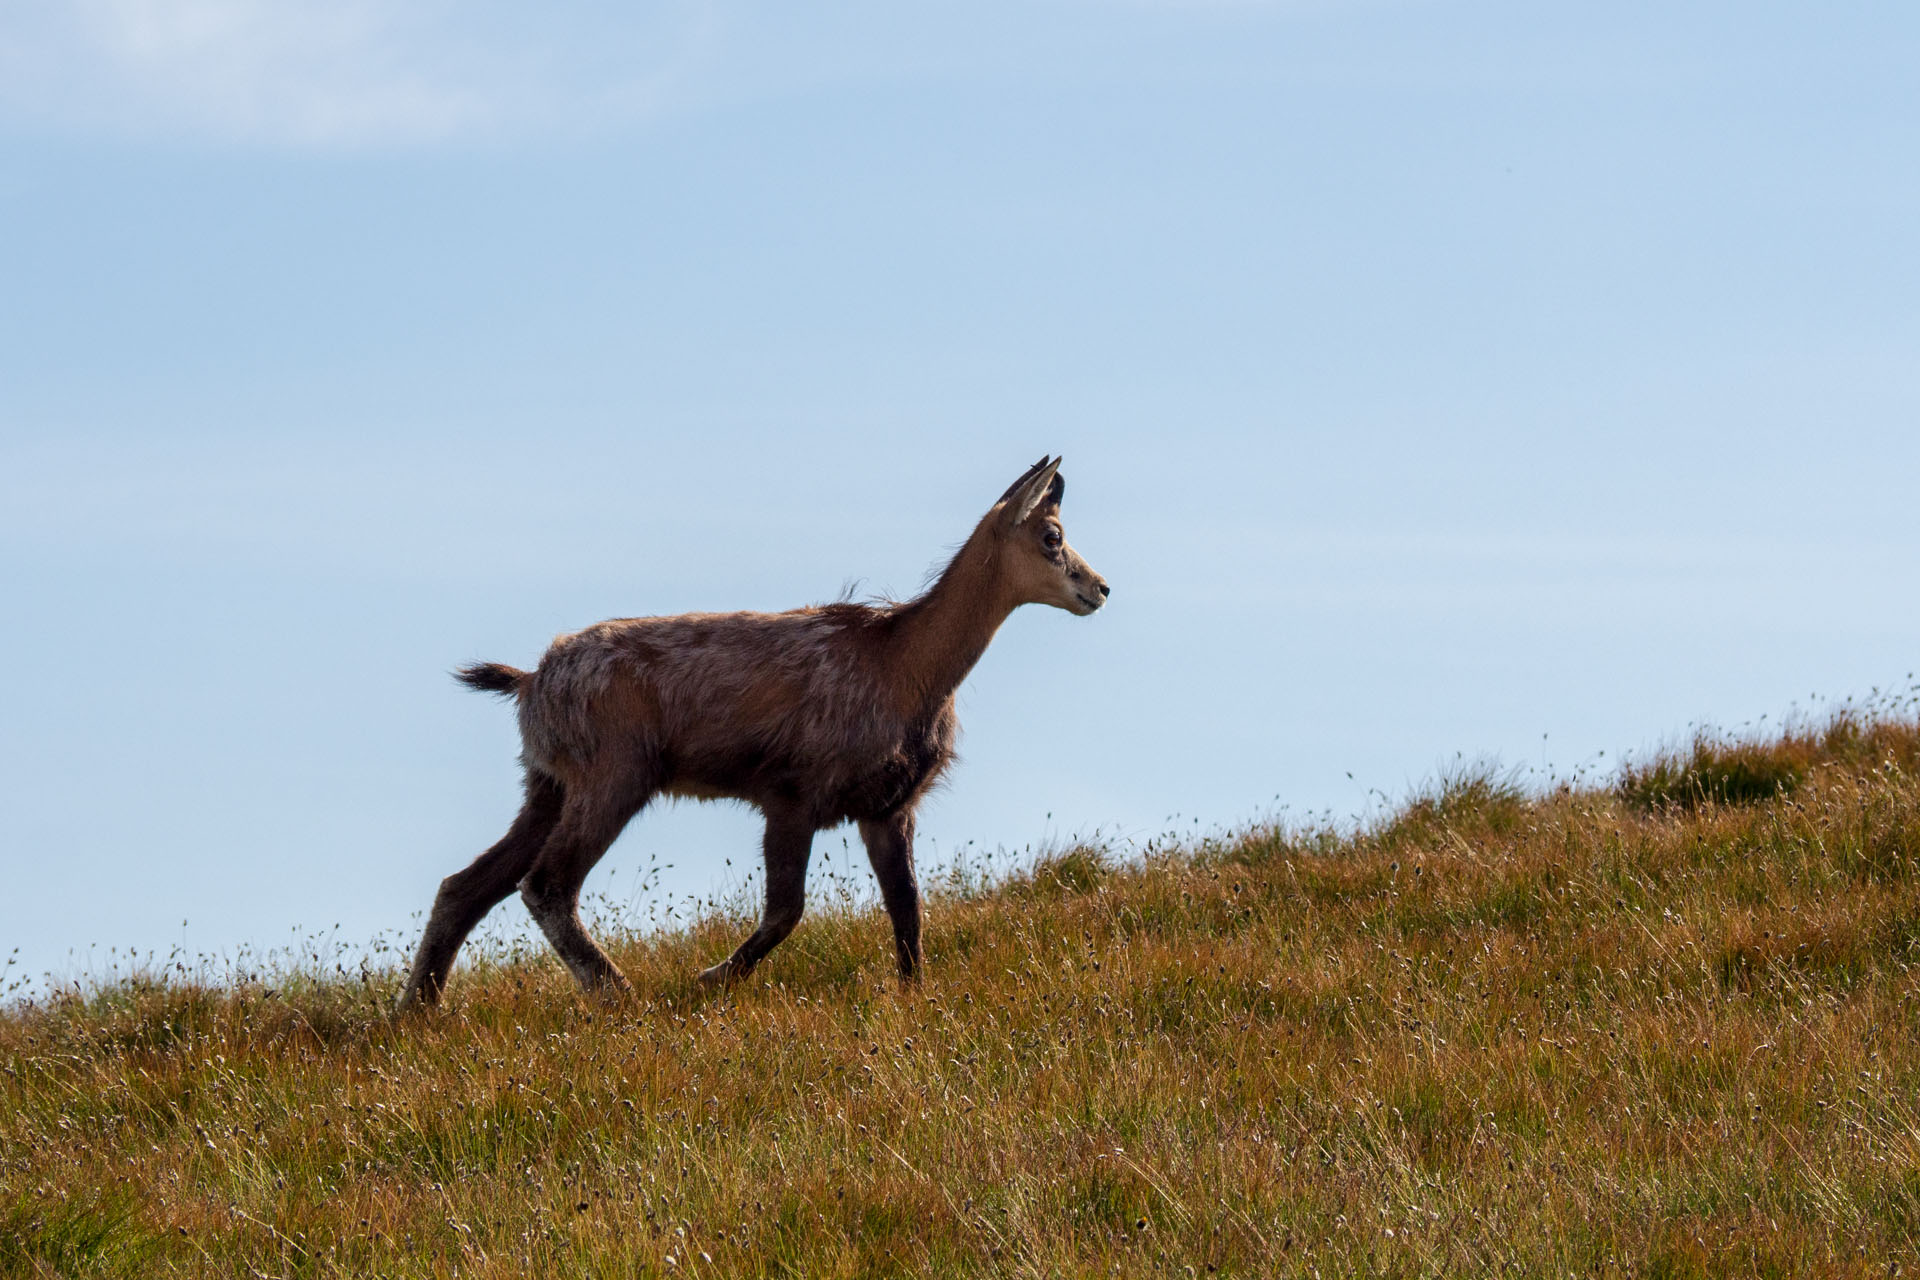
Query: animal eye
(1052, 538)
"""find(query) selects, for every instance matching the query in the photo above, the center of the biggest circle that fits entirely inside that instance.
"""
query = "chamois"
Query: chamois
(816, 716)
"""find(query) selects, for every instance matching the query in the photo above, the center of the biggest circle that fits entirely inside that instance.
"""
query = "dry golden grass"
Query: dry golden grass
(1663, 1028)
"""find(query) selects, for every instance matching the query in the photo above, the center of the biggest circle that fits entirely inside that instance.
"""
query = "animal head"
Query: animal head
(1035, 561)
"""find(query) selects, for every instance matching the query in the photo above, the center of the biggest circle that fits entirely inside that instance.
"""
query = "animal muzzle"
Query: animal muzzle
(1090, 592)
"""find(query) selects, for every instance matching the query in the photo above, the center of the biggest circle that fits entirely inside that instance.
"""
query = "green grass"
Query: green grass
(1662, 1026)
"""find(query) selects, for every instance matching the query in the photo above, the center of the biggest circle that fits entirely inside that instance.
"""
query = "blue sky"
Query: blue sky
(1494, 379)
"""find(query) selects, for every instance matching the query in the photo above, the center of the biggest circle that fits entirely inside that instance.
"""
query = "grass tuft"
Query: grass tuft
(1078, 869)
(1716, 769)
(1715, 772)
(1479, 801)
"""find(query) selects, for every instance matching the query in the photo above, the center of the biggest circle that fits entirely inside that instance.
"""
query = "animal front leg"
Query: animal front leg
(788, 845)
(890, 849)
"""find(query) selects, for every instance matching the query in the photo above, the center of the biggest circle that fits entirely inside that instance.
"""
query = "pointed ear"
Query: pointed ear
(1025, 477)
(1028, 491)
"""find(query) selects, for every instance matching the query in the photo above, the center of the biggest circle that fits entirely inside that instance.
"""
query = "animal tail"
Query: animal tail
(491, 677)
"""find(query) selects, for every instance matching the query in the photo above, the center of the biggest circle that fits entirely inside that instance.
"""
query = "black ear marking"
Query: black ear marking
(1056, 491)
(1025, 476)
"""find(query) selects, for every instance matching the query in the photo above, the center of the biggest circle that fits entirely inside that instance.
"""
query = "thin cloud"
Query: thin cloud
(337, 71)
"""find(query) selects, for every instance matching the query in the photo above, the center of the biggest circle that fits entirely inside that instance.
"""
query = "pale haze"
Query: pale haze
(1435, 382)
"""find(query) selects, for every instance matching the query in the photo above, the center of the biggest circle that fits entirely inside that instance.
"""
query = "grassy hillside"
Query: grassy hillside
(1661, 1026)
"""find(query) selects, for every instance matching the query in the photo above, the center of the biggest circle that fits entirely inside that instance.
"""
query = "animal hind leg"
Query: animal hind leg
(889, 844)
(590, 820)
(467, 895)
(788, 845)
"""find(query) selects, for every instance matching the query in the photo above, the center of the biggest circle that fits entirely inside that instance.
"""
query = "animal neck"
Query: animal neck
(942, 634)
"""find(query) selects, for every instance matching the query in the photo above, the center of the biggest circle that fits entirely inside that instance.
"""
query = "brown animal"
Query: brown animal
(817, 716)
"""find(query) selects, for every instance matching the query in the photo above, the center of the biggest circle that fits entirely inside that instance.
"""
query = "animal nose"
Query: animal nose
(1105, 591)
